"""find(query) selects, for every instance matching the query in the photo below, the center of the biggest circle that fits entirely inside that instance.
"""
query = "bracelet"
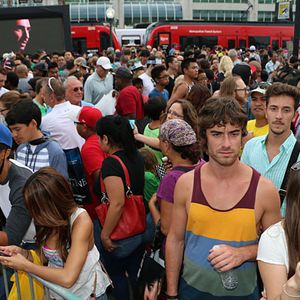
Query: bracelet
(172, 297)
(287, 294)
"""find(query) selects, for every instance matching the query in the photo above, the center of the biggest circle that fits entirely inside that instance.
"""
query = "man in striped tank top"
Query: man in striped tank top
(222, 203)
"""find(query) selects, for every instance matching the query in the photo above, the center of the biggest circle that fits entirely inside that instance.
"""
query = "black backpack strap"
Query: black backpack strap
(293, 159)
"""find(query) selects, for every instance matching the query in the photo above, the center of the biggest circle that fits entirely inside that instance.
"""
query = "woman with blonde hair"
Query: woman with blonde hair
(225, 67)
(233, 86)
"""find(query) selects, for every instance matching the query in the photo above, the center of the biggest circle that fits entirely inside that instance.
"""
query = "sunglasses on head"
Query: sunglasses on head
(76, 89)
(49, 84)
(296, 166)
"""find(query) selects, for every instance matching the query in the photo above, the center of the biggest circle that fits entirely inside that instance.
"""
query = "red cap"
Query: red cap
(89, 115)
(253, 68)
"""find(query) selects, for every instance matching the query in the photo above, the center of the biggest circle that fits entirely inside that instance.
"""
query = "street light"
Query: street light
(110, 15)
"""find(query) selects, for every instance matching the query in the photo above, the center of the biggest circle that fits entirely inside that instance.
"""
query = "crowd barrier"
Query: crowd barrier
(62, 292)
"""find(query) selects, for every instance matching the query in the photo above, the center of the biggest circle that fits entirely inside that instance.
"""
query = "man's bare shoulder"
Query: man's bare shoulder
(187, 177)
(267, 194)
(265, 185)
(185, 182)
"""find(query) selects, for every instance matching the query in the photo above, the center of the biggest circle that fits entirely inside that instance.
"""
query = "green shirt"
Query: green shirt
(153, 133)
(150, 187)
(43, 108)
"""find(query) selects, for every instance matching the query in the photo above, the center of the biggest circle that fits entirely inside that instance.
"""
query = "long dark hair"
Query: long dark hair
(49, 200)
(292, 221)
(198, 95)
(119, 133)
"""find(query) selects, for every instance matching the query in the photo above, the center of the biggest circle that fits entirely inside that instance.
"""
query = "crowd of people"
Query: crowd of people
(207, 137)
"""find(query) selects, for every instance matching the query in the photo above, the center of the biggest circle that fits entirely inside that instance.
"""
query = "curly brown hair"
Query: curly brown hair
(221, 110)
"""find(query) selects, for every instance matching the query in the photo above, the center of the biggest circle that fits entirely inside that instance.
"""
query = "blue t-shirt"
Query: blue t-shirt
(164, 94)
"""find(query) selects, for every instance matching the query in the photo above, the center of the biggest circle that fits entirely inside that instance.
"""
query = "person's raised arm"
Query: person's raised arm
(150, 141)
(175, 238)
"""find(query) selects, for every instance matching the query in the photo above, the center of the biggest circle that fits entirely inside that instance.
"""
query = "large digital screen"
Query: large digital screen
(31, 28)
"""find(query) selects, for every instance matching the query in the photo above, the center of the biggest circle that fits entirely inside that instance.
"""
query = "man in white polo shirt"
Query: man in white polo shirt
(100, 82)
(57, 122)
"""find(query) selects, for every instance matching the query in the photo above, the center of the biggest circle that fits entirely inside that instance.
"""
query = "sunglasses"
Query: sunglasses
(49, 84)
(76, 89)
(79, 123)
(296, 166)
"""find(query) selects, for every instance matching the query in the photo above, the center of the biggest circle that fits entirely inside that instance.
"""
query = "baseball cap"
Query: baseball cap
(110, 50)
(137, 65)
(252, 48)
(104, 62)
(89, 115)
(81, 62)
(41, 67)
(258, 90)
(124, 72)
(5, 136)
(178, 133)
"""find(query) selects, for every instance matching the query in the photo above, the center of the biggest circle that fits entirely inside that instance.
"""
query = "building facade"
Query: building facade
(132, 12)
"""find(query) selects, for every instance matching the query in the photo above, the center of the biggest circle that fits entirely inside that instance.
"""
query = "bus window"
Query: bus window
(131, 40)
(104, 41)
(231, 44)
(199, 41)
(259, 41)
(79, 45)
(275, 44)
(284, 43)
(242, 44)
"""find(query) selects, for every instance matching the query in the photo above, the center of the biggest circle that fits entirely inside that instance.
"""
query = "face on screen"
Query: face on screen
(28, 35)
(22, 32)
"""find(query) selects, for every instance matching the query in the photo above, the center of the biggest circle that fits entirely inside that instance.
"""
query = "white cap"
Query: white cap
(258, 90)
(252, 48)
(104, 62)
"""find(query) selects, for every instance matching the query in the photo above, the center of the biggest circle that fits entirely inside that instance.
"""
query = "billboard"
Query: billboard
(26, 29)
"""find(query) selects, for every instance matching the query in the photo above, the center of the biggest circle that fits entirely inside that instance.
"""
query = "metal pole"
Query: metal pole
(110, 31)
(296, 29)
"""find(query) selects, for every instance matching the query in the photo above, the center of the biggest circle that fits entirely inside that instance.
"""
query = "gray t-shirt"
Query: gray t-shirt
(13, 206)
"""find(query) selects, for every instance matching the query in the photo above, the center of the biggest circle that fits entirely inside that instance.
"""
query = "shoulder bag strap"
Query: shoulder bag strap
(125, 170)
(127, 179)
(293, 159)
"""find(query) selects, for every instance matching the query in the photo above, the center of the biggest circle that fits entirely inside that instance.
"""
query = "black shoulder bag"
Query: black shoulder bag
(293, 159)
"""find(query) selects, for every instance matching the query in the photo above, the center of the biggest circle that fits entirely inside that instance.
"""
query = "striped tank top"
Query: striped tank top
(206, 227)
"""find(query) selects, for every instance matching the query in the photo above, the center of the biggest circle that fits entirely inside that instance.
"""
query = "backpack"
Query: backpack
(285, 74)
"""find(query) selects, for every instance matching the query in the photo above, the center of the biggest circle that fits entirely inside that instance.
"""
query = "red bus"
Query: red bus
(228, 35)
(92, 38)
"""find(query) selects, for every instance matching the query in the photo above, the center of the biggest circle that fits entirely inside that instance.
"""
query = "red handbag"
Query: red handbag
(133, 218)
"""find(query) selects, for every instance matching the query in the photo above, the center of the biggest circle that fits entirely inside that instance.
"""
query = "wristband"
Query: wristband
(172, 297)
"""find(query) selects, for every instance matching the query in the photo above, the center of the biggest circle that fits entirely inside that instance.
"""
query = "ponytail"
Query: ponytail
(119, 133)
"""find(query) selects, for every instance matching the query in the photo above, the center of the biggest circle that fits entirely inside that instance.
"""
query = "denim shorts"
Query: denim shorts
(102, 297)
(127, 246)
